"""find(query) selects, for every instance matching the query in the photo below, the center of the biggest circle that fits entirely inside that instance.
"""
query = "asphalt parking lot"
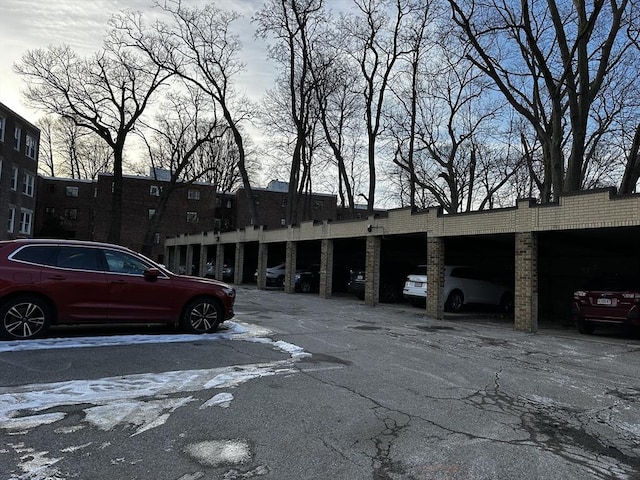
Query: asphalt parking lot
(299, 387)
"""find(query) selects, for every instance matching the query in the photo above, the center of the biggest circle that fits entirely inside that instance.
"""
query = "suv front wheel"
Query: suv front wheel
(454, 301)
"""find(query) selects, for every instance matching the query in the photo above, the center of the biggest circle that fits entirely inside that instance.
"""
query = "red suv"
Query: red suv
(608, 299)
(46, 282)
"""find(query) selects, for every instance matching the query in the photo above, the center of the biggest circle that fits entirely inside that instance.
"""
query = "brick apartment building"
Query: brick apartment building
(19, 141)
(69, 208)
(271, 203)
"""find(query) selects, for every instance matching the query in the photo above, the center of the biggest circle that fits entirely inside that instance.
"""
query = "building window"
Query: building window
(193, 194)
(218, 201)
(71, 191)
(16, 138)
(2, 125)
(12, 220)
(156, 238)
(318, 204)
(71, 213)
(28, 182)
(26, 216)
(152, 213)
(217, 224)
(154, 190)
(192, 217)
(50, 211)
(30, 147)
(256, 200)
(52, 188)
(14, 178)
(228, 203)
(283, 221)
(284, 201)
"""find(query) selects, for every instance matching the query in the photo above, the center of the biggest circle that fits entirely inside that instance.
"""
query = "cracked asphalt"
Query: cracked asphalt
(420, 398)
(386, 393)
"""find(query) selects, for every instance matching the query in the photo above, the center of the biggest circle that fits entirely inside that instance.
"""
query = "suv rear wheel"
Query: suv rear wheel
(585, 327)
(24, 317)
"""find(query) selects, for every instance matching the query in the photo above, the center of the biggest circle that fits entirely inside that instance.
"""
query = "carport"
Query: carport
(546, 249)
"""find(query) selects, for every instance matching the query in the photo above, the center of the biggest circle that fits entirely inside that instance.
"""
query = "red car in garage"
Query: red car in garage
(612, 299)
(47, 282)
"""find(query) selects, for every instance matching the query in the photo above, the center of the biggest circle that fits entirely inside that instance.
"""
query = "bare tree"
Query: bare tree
(552, 61)
(80, 152)
(46, 160)
(294, 24)
(182, 133)
(106, 94)
(338, 105)
(198, 47)
(376, 45)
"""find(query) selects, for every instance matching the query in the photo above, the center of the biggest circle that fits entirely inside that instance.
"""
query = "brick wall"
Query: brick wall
(15, 199)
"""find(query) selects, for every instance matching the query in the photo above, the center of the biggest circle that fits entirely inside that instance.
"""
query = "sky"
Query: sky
(31, 24)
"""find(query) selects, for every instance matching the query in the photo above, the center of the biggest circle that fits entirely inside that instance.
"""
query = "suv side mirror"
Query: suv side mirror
(151, 274)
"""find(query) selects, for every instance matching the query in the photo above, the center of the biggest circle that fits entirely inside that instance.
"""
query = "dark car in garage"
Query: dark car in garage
(307, 279)
(610, 299)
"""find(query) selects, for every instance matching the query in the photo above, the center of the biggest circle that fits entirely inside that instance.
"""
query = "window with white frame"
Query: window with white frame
(3, 122)
(156, 238)
(26, 217)
(30, 146)
(71, 213)
(193, 194)
(154, 190)
(12, 220)
(17, 133)
(71, 191)
(14, 178)
(28, 182)
(192, 217)
(152, 213)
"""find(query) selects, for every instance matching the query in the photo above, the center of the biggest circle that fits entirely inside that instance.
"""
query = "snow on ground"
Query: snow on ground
(139, 400)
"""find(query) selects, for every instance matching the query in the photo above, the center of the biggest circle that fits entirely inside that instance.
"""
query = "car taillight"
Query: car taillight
(579, 294)
(632, 296)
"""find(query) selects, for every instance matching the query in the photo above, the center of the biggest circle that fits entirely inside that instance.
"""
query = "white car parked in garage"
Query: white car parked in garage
(463, 285)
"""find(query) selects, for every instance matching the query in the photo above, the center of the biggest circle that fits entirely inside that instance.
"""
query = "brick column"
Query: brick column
(290, 269)
(526, 282)
(202, 268)
(372, 271)
(263, 253)
(219, 261)
(435, 277)
(326, 268)
(188, 264)
(238, 268)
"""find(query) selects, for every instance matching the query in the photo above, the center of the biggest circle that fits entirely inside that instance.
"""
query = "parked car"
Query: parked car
(307, 279)
(607, 300)
(356, 285)
(227, 272)
(390, 286)
(49, 282)
(463, 285)
(275, 275)
(415, 286)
